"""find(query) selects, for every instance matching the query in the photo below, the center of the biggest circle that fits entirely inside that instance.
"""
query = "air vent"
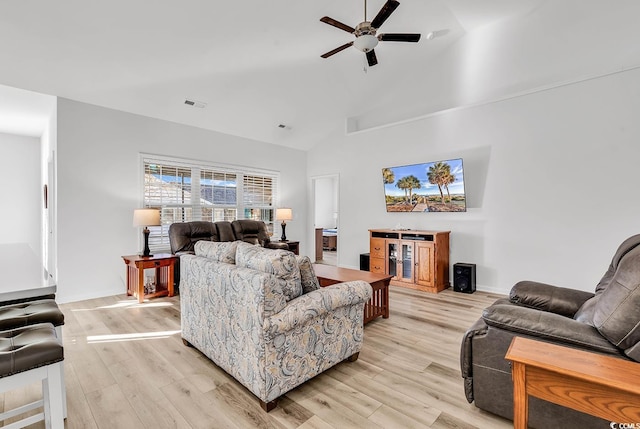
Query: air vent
(195, 103)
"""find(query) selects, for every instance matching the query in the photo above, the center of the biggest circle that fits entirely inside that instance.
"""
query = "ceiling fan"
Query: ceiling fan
(365, 32)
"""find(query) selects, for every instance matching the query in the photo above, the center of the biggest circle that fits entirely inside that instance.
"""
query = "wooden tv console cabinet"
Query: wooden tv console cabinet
(415, 259)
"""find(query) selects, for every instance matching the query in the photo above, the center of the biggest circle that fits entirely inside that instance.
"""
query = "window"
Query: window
(257, 197)
(185, 192)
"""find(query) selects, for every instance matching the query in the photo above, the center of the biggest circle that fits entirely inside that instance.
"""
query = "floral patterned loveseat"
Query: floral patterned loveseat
(261, 315)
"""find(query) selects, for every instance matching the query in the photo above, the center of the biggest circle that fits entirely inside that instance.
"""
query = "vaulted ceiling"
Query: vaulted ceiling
(255, 64)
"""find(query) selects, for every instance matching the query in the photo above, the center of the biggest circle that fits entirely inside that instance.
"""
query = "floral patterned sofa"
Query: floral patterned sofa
(261, 315)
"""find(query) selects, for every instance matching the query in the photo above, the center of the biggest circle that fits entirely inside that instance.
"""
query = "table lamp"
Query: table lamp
(145, 218)
(284, 214)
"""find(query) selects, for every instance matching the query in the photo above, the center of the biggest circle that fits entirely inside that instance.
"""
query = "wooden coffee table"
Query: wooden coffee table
(378, 305)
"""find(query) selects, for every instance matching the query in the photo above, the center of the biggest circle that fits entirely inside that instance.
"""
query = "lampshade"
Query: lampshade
(146, 217)
(284, 214)
(366, 42)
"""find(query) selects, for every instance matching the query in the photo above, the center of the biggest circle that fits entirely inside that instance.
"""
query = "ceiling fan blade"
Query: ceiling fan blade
(337, 24)
(336, 50)
(371, 58)
(399, 37)
(384, 13)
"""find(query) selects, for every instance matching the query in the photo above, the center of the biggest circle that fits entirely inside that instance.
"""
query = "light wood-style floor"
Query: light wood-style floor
(329, 257)
(126, 367)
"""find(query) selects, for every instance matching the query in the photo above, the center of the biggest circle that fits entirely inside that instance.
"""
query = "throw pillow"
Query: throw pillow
(221, 251)
(585, 312)
(278, 262)
(307, 275)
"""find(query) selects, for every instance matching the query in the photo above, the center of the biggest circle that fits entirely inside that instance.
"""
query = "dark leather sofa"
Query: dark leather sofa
(183, 236)
(607, 322)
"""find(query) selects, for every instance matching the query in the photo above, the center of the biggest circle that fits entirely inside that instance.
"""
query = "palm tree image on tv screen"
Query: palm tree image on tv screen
(428, 187)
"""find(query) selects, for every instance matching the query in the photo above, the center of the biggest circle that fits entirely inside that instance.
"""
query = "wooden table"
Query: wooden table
(378, 305)
(163, 263)
(329, 242)
(600, 385)
(294, 246)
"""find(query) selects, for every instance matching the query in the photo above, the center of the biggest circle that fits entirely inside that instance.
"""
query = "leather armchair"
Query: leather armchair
(255, 232)
(183, 236)
(605, 322)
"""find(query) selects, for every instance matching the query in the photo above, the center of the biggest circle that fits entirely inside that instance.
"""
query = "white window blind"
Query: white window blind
(218, 191)
(184, 192)
(258, 196)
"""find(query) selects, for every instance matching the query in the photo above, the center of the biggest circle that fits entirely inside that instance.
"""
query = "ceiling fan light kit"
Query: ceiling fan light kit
(365, 33)
(366, 43)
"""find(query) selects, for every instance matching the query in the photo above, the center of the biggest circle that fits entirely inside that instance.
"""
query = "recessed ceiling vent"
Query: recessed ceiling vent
(195, 103)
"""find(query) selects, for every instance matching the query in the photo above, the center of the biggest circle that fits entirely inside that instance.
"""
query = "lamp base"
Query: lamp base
(146, 253)
(284, 236)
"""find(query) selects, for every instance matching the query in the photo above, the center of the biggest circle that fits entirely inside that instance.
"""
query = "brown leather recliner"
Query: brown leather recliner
(607, 322)
(183, 236)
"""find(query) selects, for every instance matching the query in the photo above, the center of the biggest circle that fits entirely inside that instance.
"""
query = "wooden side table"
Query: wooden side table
(294, 246)
(600, 385)
(164, 264)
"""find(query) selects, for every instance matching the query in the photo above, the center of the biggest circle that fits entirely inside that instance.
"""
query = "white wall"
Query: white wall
(559, 42)
(538, 205)
(20, 191)
(538, 107)
(550, 178)
(326, 197)
(99, 186)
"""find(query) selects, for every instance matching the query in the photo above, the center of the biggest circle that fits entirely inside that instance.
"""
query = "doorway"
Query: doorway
(326, 218)
(21, 220)
(28, 121)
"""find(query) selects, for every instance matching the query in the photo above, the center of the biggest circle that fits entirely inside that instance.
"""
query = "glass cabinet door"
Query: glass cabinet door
(407, 261)
(392, 252)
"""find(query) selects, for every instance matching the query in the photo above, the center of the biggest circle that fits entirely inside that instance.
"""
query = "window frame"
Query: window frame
(159, 237)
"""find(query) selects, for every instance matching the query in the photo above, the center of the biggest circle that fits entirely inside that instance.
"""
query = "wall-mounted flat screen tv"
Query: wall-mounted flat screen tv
(428, 187)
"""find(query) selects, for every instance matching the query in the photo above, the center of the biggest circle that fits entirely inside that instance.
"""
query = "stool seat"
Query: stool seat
(30, 313)
(29, 354)
(25, 313)
(29, 347)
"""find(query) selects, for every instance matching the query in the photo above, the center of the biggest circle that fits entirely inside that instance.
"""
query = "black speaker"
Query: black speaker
(364, 262)
(464, 277)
